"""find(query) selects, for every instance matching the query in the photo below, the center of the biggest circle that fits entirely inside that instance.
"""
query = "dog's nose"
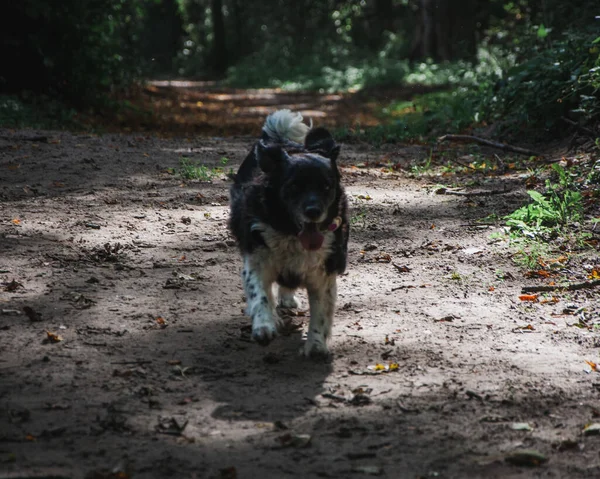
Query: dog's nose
(312, 212)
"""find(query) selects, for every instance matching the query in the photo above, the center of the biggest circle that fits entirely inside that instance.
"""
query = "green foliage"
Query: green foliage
(76, 50)
(42, 112)
(190, 170)
(335, 69)
(560, 80)
(558, 207)
(530, 254)
(424, 117)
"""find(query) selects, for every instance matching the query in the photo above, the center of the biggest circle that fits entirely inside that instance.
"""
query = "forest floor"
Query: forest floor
(124, 352)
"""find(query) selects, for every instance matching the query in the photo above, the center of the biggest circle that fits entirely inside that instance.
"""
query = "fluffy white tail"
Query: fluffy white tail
(285, 125)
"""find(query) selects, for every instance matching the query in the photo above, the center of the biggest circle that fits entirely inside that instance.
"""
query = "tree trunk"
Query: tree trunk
(220, 58)
(428, 20)
(447, 30)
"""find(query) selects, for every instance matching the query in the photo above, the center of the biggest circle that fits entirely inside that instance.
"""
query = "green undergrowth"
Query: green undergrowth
(559, 218)
(548, 91)
(190, 170)
(36, 112)
(421, 119)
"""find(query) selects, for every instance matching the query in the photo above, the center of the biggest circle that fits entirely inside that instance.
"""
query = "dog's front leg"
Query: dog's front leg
(288, 298)
(322, 305)
(258, 285)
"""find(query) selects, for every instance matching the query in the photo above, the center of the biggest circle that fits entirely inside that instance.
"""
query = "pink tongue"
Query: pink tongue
(310, 237)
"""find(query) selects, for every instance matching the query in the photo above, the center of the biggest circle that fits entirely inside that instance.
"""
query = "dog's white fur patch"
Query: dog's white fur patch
(286, 125)
(285, 255)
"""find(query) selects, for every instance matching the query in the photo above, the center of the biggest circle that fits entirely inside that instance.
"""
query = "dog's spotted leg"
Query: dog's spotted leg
(287, 298)
(259, 294)
(322, 305)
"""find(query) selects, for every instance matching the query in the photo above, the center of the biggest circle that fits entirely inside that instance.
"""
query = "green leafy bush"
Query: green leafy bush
(41, 112)
(559, 206)
(560, 80)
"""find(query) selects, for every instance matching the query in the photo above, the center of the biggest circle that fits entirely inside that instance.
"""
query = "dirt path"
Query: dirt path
(156, 377)
(206, 108)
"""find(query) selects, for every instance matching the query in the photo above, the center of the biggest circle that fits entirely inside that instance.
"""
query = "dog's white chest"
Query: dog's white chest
(284, 253)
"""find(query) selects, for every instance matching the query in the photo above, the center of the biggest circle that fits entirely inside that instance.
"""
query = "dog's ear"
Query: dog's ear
(320, 141)
(270, 158)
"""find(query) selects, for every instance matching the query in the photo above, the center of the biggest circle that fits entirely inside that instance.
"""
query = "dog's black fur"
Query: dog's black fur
(271, 196)
(281, 188)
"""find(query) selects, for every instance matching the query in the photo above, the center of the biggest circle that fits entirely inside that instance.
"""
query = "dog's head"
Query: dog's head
(307, 183)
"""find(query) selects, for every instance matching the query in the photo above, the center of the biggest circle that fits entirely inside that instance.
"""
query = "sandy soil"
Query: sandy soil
(155, 375)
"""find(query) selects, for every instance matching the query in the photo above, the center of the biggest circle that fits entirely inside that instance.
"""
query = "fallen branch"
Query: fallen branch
(35, 138)
(570, 287)
(579, 127)
(493, 144)
(444, 191)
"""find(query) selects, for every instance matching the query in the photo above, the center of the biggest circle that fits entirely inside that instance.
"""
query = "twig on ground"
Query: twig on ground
(444, 191)
(579, 127)
(570, 287)
(137, 361)
(493, 144)
(35, 138)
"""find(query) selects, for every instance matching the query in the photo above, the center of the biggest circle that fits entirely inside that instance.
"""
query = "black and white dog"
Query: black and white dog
(289, 215)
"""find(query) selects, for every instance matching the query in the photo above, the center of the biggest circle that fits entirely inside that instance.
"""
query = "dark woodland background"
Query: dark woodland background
(524, 63)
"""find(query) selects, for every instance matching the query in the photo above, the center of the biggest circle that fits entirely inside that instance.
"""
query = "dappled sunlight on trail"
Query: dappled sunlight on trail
(181, 107)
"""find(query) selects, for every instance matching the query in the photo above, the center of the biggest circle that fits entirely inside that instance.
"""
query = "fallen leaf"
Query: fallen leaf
(560, 259)
(16, 221)
(529, 297)
(595, 274)
(12, 286)
(552, 300)
(491, 288)
(449, 319)
(368, 470)
(529, 327)
(472, 251)
(541, 273)
(53, 337)
(171, 425)
(383, 258)
(401, 269)
(592, 365)
(161, 322)
(383, 368)
(592, 429)
(295, 440)
(521, 426)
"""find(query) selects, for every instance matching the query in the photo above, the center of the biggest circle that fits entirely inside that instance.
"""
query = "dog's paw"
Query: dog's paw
(316, 351)
(263, 334)
(289, 301)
